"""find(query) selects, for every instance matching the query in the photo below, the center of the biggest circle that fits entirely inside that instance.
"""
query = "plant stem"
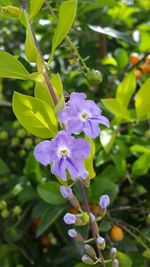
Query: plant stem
(45, 73)
(91, 223)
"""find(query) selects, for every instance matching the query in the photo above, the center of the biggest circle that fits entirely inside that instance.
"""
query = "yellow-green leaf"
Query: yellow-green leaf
(89, 161)
(35, 115)
(116, 108)
(35, 6)
(67, 12)
(142, 101)
(10, 67)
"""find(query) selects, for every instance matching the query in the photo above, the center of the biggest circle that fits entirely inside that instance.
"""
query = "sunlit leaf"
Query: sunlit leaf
(35, 6)
(35, 115)
(142, 101)
(10, 67)
(116, 108)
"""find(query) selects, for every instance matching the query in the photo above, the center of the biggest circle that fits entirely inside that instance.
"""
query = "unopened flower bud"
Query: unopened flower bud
(69, 218)
(104, 201)
(113, 253)
(101, 242)
(66, 191)
(90, 251)
(74, 234)
(86, 259)
(115, 263)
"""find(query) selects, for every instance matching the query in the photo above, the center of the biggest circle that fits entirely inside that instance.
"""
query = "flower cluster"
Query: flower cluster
(65, 152)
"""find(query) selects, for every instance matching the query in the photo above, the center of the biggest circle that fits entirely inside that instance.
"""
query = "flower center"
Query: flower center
(84, 116)
(63, 152)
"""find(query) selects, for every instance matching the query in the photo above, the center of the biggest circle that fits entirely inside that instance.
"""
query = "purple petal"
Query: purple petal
(69, 218)
(66, 191)
(74, 125)
(103, 120)
(75, 98)
(93, 109)
(64, 114)
(72, 233)
(81, 148)
(44, 152)
(58, 168)
(91, 129)
(75, 167)
(104, 201)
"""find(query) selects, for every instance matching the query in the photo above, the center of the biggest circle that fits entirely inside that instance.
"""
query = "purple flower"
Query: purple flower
(100, 240)
(72, 233)
(82, 115)
(66, 191)
(104, 201)
(65, 153)
(69, 218)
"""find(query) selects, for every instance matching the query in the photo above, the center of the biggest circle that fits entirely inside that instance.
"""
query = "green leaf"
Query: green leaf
(49, 216)
(122, 58)
(120, 163)
(139, 148)
(141, 165)
(109, 173)
(126, 89)
(57, 84)
(42, 91)
(35, 7)
(4, 169)
(142, 101)
(67, 12)
(50, 193)
(146, 253)
(101, 158)
(5, 2)
(32, 169)
(109, 61)
(116, 108)
(35, 115)
(124, 259)
(101, 186)
(89, 161)
(81, 264)
(107, 138)
(144, 41)
(31, 50)
(113, 33)
(10, 67)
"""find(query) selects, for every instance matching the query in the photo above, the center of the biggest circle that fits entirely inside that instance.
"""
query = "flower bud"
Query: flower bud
(115, 263)
(11, 10)
(86, 259)
(74, 234)
(17, 210)
(90, 251)
(113, 253)
(69, 218)
(104, 201)
(101, 242)
(66, 191)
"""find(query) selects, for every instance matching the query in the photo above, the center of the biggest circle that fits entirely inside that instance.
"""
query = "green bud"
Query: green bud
(15, 141)
(3, 204)
(94, 77)
(101, 243)
(3, 135)
(113, 253)
(5, 213)
(21, 133)
(17, 189)
(86, 259)
(115, 263)
(17, 210)
(85, 218)
(28, 142)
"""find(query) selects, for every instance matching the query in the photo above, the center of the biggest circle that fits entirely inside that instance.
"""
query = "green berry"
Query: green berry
(17, 210)
(94, 77)
(16, 124)
(5, 213)
(21, 133)
(15, 141)
(22, 153)
(28, 142)
(3, 204)
(17, 190)
(3, 135)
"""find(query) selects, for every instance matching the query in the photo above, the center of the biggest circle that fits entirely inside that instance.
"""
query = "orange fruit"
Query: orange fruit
(117, 234)
(45, 241)
(138, 74)
(145, 68)
(147, 59)
(134, 58)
